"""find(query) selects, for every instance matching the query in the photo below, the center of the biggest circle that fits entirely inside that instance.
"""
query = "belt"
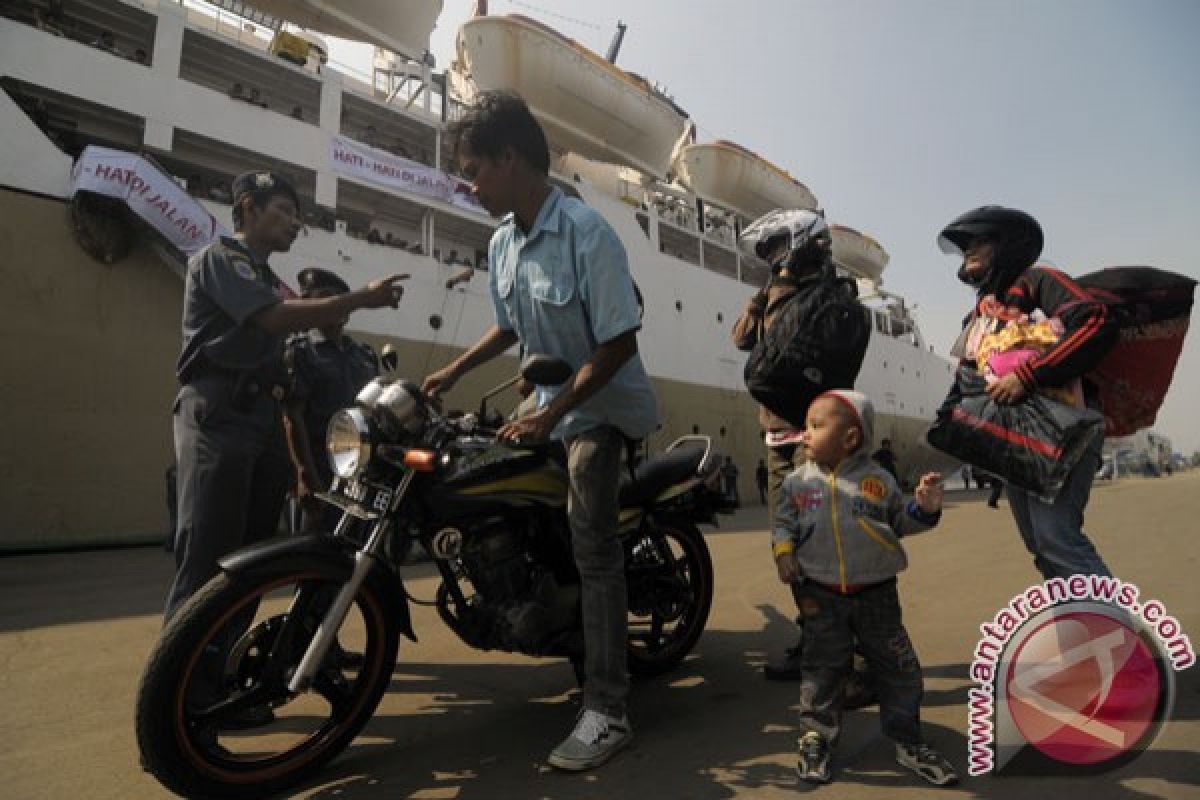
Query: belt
(246, 384)
(850, 588)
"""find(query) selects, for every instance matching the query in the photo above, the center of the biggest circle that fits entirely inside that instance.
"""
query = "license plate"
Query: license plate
(368, 496)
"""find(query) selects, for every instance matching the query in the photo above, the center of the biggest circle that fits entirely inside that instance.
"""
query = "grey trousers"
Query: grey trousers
(234, 473)
(781, 462)
(833, 625)
(593, 466)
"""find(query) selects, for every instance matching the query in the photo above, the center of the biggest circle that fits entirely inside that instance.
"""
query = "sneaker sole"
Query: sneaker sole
(581, 765)
(812, 777)
(946, 780)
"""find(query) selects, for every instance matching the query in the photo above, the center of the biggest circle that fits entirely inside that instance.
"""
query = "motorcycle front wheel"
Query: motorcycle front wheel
(669, 576)
(215, 717)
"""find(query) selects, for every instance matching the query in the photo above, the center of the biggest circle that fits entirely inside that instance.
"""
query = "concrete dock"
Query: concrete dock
(75, 630)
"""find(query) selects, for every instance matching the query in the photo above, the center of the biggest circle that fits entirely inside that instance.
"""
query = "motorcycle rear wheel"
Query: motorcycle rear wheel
(193, 749)
(670, 579)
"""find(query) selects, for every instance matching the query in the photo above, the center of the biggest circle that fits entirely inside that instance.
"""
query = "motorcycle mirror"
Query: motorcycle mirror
(545, 370)
(389, 358)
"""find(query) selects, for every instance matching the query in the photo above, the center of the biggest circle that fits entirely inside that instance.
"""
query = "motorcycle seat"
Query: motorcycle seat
(657, 473)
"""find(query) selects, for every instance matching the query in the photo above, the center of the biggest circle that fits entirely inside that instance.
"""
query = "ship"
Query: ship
(117, 151)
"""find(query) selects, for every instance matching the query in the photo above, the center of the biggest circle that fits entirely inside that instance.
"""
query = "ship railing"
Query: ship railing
(242, 30)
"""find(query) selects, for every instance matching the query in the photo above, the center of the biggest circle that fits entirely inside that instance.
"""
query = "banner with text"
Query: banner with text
(149, 193)
(357, 160)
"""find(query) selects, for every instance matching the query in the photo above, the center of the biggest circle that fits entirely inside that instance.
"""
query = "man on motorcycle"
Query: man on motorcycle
(560, 283)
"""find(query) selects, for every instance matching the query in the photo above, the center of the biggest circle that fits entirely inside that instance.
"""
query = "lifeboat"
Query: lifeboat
(585, 104)
(402, 26)
(858, 253)
(731, 176)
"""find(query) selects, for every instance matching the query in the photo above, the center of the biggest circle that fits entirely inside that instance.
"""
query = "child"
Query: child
(838, 526)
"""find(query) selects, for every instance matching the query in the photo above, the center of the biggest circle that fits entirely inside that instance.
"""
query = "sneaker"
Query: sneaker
(812, 761)
(597, 738)
(926, 762)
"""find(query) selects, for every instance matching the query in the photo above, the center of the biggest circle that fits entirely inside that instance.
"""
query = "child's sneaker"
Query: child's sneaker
(812, 763)
(597, 738)
(926, 762)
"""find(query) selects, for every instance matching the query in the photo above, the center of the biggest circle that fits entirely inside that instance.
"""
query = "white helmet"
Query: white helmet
(806, 233)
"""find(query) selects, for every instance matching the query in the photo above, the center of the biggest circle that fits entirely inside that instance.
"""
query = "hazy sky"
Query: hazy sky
(900, 114)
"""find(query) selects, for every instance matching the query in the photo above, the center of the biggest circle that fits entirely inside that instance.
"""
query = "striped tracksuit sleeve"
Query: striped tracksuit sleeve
(1090, 327)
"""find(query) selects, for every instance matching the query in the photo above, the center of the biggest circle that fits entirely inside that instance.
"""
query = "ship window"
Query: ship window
(881, 322)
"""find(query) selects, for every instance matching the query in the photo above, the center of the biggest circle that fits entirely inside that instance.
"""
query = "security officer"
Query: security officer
(229, 443)
(327, 369)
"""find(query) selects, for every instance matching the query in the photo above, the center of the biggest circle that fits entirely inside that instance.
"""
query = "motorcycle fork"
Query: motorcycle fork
(364, 560)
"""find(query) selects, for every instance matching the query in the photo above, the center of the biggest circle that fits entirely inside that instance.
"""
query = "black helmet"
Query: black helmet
(1016, 236)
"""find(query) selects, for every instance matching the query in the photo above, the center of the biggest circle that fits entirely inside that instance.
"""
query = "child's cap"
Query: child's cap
(861, 411)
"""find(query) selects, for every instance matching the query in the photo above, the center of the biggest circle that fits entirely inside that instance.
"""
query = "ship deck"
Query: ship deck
(75, 629)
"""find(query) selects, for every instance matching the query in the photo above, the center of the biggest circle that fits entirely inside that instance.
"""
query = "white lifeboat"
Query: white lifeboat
(402, 26)
(585, 104)
(740, 180)
(858, 253)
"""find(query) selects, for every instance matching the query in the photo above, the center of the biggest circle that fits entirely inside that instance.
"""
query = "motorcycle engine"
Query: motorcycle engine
(525, 606)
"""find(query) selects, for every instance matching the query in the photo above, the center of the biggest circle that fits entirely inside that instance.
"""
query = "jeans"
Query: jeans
(1053, 532)
(594, 471)
(834, 625)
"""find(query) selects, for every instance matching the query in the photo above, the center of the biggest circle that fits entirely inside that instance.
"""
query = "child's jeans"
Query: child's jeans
(833, 623)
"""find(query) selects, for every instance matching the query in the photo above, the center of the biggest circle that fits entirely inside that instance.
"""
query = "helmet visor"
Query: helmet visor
(954, 243)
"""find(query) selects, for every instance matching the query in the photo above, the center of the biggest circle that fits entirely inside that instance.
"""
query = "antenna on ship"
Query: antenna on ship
(614, 46)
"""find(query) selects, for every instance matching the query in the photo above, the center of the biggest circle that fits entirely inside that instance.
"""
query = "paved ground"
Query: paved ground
(75, 630)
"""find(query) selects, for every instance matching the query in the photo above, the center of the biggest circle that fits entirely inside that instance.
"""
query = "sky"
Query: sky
(901, 114)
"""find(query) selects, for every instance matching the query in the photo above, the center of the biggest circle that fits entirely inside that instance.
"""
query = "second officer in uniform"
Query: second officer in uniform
(327, 369)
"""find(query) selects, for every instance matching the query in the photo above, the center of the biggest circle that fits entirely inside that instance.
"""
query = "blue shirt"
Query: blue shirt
(226, 285)
(565, 289)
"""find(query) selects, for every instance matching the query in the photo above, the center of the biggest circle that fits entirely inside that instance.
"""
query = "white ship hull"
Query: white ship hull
(92, 346)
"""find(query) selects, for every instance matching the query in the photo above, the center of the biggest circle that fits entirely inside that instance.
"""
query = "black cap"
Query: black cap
(263, 183)
(314, 279)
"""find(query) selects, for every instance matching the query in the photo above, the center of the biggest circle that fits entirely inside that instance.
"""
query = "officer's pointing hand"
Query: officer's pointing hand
(384, 293)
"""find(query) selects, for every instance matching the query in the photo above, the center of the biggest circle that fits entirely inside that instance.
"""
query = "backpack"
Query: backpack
(1153, 308)
(816, 342)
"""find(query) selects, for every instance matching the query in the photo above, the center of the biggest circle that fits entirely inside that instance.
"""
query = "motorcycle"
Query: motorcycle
(250, 688)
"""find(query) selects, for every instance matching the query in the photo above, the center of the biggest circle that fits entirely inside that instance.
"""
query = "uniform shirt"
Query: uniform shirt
(227, 285)
(564, 289)
(325, 377)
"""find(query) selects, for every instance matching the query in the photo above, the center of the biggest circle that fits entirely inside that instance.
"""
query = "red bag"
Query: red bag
(1154, 308)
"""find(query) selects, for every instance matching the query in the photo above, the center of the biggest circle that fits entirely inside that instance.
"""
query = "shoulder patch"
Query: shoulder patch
(873, 489)
(243, 268)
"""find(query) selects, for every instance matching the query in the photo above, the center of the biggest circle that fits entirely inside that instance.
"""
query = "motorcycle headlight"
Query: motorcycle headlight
(348, 443)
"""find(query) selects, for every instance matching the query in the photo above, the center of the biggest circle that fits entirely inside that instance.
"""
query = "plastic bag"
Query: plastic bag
(1032, 445)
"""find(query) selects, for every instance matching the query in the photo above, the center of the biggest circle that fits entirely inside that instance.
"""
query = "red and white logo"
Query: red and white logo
(1084, 688)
